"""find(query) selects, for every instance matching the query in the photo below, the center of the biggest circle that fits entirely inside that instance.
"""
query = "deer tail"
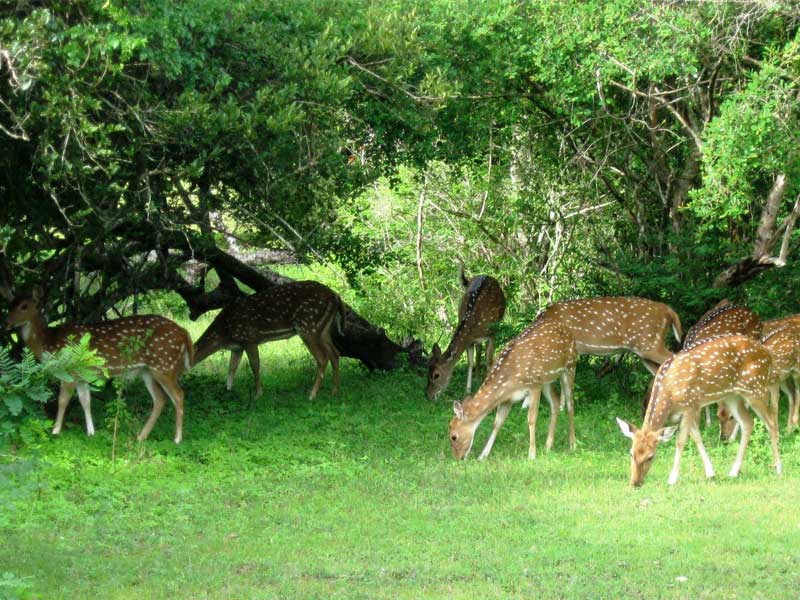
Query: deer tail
(676, 324)
(340, 315)
(188, 352)
(461, 277)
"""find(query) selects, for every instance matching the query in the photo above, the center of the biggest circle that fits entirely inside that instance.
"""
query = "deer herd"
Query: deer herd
(729, 358)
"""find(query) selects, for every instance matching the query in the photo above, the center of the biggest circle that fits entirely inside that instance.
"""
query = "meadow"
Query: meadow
(357, 496)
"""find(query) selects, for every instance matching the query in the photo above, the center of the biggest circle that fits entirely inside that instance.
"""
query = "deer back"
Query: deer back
(772, 325)
(538, 355)
(723, 320)
(143, 341)
(711, 370)
(482, 305)
(282, 311)
(614, 321)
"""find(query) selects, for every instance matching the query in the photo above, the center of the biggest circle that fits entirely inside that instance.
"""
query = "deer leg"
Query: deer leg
(567, 383)
(555, 404)
(157, 394)
(499, 418)
(796, 401)
(333, 356)
(688, 420)
(64, 397)
(236, 357)
(478, 350)
(85, 398)
(698, 441)
(766, 412)
(255, 365)
(533, 412)
(316, 348)
(171, 385)
(650, 365)
(470, 365)
(653, 358)
(745, 420)
(708, 416)
(489, 353)
(784, 386)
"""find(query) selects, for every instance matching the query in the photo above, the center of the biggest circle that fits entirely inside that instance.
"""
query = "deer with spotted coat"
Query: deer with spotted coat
(153, 347)
(784, 346)
(304, 308)
(606, 325)
(733, 369)
(529, 364)
(482, 307)
(724, 318)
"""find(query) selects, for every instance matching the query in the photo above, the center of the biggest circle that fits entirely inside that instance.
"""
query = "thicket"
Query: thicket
(26, 384)
(569, 148)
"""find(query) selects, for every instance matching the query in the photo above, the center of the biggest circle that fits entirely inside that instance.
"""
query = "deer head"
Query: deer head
(462, 431)
(439, 373)
(24, 310)
(643, 449)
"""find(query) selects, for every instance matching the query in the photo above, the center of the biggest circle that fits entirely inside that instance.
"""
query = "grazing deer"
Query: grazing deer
(148, 345)
(482, 306)
(606, 325)
(784, 346)
(530, 363)
(305, 308)
(734, 369)
(723, 319)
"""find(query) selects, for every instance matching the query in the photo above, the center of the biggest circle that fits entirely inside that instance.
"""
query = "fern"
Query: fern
(25, 385)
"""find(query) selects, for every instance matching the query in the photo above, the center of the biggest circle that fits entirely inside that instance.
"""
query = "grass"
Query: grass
(357, 496)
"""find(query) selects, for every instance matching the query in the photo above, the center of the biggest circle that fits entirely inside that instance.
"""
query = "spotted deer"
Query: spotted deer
(482, 306)
(734, 369)
(304, 308)
(784, 346)
(529, 364)
(723, 319)
(150, 346)
(606, 325)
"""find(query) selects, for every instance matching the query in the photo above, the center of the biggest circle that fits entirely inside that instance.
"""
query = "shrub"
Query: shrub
(25, 385)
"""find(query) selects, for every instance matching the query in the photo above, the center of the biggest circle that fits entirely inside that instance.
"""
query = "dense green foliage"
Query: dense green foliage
(26, 385)
(571, 147)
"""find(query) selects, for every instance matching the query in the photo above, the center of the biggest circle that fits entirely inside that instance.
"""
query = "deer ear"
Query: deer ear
(628, 429)
(436, 352)
(38, 293)
(667, 433)
(459, 410)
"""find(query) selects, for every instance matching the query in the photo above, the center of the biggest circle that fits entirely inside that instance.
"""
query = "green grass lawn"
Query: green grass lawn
(357, 496)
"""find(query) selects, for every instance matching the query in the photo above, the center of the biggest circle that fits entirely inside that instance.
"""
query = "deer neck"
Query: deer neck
(36, 335)
(461, 339)
(484, 402)
(659, 411)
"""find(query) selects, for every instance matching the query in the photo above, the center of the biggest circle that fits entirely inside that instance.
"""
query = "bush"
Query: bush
(25, 386)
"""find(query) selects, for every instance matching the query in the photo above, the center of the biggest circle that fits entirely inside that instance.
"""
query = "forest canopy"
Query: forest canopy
(567, 147)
